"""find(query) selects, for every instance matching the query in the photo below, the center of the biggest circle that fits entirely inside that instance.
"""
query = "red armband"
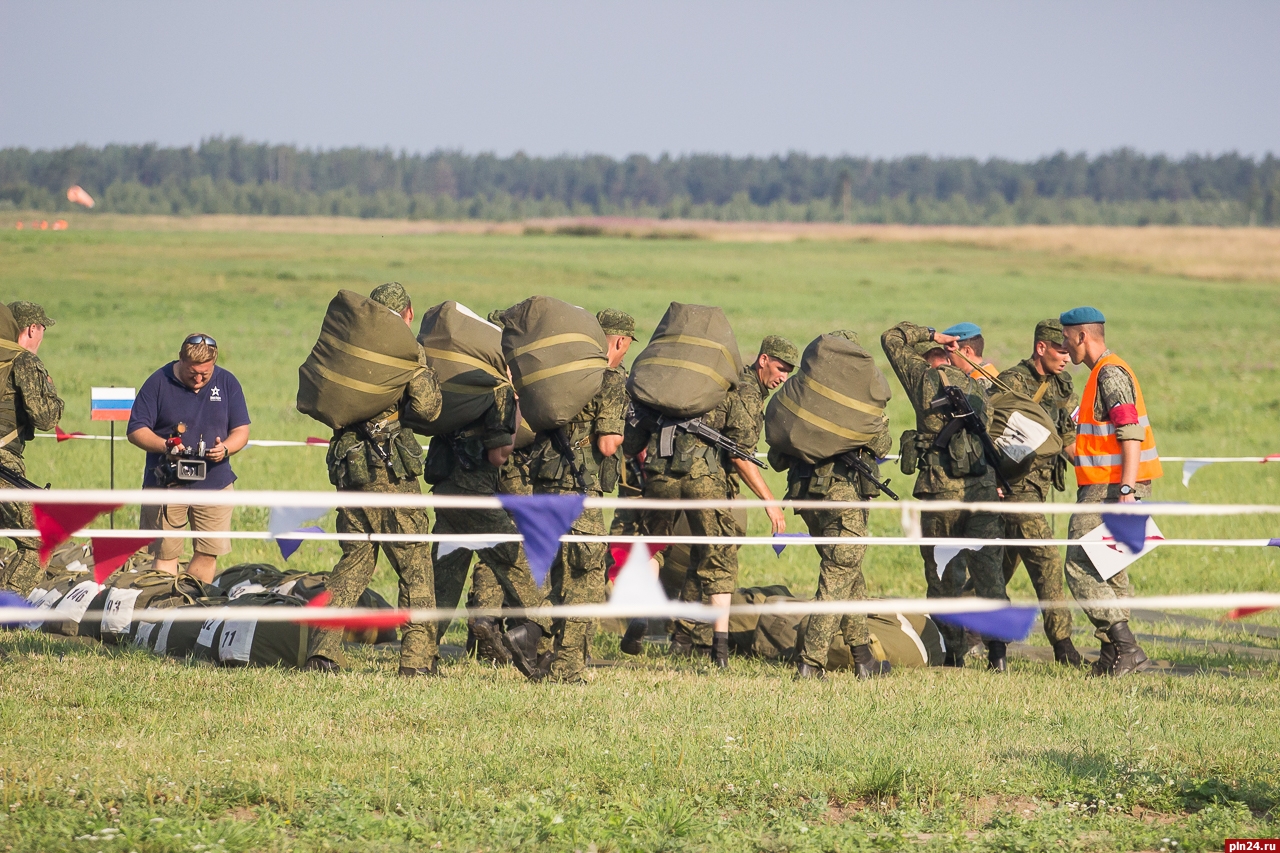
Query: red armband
(1124, 414)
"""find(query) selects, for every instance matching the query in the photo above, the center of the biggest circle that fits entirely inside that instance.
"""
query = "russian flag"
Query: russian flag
(111, 404)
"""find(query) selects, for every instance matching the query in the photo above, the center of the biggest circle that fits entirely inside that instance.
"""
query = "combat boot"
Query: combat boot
(806, 672)
(681, 643)
(315, 663)
(432, 670)
(1064, 652)
(953, 659)
(1106, 661)
(1129, 655)
(633, 640)
(865, 664)
(521, 643)
(997, 660)
(720, 650)
(488, 640)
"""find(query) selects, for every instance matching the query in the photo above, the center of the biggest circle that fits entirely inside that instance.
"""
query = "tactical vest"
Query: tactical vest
(354, 462)
(962, 457)
(805, 480)
(598, 472)
(1098, 459)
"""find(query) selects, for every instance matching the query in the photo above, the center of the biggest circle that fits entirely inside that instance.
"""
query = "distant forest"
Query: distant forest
(234, 176)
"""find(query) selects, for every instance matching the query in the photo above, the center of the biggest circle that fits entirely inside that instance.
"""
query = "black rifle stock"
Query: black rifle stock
(560, 441)
(964, 417)
(667, 427)
(378, 449)
(857, 463)
(17, 480)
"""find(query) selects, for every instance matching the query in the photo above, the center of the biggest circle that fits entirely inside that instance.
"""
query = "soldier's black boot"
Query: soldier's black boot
(865, 664)
(1129, 655)
(997, 660)
(1064, 652)
(315, 663)
(521, 642)
(633, 640)
(805, 672)
(488, 640)
(681, 643)
(955, 659)
(720, 649)
(432, 670)
(1106, 661)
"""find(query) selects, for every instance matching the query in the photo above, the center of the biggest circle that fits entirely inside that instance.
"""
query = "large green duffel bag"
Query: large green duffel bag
(556, 352)
(9, 349)
(361, 363)
(110, 618)
(691, 363)
(833, 404)
(1022, 431)
(174, 638)
(248, 642)
(466, 353)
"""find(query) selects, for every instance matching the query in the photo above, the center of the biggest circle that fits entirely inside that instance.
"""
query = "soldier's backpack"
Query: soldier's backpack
(691, 363)
(466, 353)
(361, 364)
(247, 577)
(171, 636)
(69, 596)
(9, 349)
(111, 617)
(833, 404)
(1022, 431)
(556, 352)
(306, 586)
(248, 642)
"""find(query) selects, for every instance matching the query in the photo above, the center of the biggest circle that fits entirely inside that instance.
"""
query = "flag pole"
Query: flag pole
(113, 469)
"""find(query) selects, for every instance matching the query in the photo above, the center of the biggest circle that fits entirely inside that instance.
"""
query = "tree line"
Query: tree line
(234, 176)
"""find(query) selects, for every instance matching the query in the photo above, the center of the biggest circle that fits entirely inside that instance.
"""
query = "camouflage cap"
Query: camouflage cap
(393, 295)
(926, 347)
(847, 334)
(29, 314)
(776, 346)
(1051, 331)
(615, 322)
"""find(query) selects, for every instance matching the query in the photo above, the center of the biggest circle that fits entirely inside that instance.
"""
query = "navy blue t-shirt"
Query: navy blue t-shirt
(210, 413)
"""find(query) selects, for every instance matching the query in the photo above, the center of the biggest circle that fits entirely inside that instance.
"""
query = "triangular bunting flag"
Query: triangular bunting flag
(778, 548)
(636, 585)
(66, 436)
(542, 520)
(289, 546)
(12, 599)
(382, 618)
(286, 519)
(1012, 624)
(317, 442)
(944, 554)
(110, 554)
(56, 523)
(1190, 467)
(619, 552)
(1241, 612)
(1129, 530)
(447, 547)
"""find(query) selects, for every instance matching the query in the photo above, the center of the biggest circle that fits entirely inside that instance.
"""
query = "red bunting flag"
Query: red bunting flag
(110, 554)
(1241, 612)
(373, 619)
(620, 551)
(317, 442)
(56, 523)
(66, 436)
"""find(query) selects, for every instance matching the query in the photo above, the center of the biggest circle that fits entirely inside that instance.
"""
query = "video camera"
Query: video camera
(181, 464)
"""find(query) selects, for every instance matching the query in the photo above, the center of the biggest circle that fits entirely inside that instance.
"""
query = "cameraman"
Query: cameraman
(199, 403)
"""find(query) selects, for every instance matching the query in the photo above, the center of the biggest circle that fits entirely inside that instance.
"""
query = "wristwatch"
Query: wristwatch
(1126, 490)
(932, 331)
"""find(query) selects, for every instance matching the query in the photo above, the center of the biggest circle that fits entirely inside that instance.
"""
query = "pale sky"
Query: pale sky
(1008, 79)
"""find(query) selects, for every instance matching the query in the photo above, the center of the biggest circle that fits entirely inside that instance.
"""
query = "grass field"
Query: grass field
(177, 756)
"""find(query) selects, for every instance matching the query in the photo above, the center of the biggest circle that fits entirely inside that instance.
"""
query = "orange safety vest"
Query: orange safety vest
(1097, 448)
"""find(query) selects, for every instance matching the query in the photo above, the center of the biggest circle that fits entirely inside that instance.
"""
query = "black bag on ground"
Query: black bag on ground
(556, 352)
(466, 353)
(691, 363)
(248, 642)
(361, 363)
(833, 404)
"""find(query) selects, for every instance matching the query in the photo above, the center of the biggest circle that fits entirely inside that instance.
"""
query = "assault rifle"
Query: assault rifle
(964, 417)
(378, 450)
(17, 480)
(854, 461)
(560, 441)
(667, 429)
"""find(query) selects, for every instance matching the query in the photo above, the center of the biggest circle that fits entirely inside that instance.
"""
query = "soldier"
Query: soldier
(957, 472)
(1043, 378)
(1116, 460)
(383, 457)
(840, 575)
(593, 437)
(967, 356)
(28, 402)
(740, 418)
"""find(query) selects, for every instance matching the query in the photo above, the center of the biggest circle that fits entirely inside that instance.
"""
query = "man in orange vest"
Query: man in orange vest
(1116, 460)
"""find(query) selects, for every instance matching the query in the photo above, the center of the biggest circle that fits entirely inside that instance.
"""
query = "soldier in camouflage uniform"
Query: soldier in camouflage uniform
(840, 575)
(578, 573)
(1043, 378)
(28, 402)
(958, 472)
(698, 470)
(389, 461)
(469, 462)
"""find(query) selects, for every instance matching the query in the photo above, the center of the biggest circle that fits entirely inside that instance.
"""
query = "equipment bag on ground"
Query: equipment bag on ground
(110, 617)
(466, 353)
(691, 363)
(556, 352)
(361, 363)
(1022, 431)
(833, 404)
(248, 642)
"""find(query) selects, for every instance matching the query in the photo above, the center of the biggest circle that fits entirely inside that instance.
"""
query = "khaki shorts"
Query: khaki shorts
(177, 517)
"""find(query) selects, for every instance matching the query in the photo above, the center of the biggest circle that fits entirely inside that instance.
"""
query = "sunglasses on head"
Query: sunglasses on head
(201, 339)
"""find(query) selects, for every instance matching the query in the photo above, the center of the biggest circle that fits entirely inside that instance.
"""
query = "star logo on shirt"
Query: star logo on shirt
(215, 396)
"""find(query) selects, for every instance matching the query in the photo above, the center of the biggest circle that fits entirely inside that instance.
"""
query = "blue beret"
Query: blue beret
(963, 331)
(1081, 316)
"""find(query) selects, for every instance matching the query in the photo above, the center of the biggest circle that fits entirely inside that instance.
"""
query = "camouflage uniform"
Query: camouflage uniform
(513, 479)
(578, 573)
(1044, 563)
(1115, 388)
(355, 466)
(458, 464)
(960, 473)
(28, 402)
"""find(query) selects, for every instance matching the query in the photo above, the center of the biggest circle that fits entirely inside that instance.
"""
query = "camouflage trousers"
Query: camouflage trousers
(577, 577)
(1044, 563)
(506, 574)
(839, 575)
(22, 572)
(410, 560)
(1098, 597)
(983, 566)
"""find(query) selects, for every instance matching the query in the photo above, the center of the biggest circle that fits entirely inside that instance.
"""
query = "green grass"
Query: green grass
(94, 738)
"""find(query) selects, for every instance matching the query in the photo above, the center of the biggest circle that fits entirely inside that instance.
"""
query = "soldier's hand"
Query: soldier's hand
(944, 339)
(777, 519)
